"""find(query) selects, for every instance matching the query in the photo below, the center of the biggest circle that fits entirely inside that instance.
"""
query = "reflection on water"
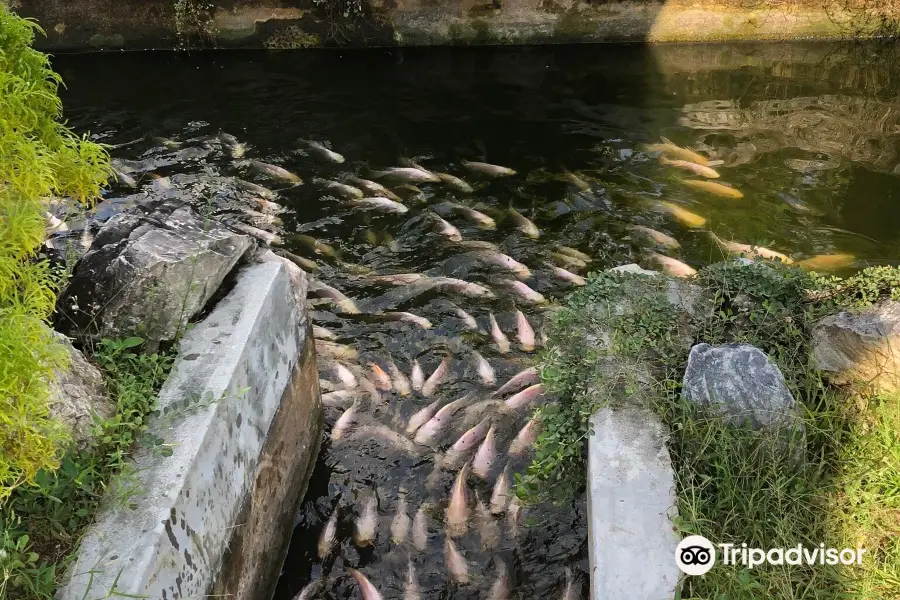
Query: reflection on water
(806, 133)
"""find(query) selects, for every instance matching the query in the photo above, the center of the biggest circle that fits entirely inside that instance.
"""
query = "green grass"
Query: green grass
(41, 524)
(838, 485)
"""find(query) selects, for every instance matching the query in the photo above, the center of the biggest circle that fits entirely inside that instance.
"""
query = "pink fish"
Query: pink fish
(398, 379)
(368, 590)
(487, 527)
(458, 510)
(568, 275)
(436, 378)
(499, 337)
(418, 377)
(411, 589)
(526, 333)
(420, 530)
(525, 292)
(456, 564)
(524, 398)
(524, 439)
(344, 422)
(486, 455)
(500, 587)
(422, 416)
(382, 381)
(485, 370)
(430, 429)
(500, 493)
(471, 437)
(345, 376)
(519, 380)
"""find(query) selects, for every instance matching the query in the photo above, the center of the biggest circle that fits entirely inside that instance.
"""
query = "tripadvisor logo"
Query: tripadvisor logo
(696, 555)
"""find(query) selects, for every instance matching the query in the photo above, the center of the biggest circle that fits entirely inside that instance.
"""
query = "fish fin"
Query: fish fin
(666, 140)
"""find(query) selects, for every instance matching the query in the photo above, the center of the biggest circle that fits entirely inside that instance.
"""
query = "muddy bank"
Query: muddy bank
(89, 25)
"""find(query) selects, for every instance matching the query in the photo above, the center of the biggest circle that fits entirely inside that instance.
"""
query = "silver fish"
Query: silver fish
(456, 564)
(574, 253)
(487, 169)
(486, 455)
(672, 266)
(524, 224)
(525, 332)
(364, 528)
(519, 380)
(254, 188)
(500, 493)
(501, 260)
(418, 376)
(345, 375)
(446, 228)
(401, 522)
(338, 398)
(396, 279)
(369, 432)
(481, 219)
(344, 422)
(275, 172)
(420, 530)
(435, 424)
(478, 245)
(260, 234)
(407, 174)
(524, 398)
(436, 378)
(457, 517)
(485, 370)
(327, 349)
(368, 590)
(569, 261)
(236, 148)
(657, 236)
(320, 333)
(303, 263)
(348, 191)
(314, 245)
(327, 537)
(467, 319)
(411, 589)
(380, 204)
(575, 180)
(399, 380)
(322, 151)
(374, 188)
(454, 182)
(124, 179)
(499, 337)
(523, 290)
(465, 288)
(524, 439)
(343, 303)
(567, 275)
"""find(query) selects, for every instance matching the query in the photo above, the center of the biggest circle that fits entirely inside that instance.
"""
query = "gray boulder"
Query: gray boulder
(743, 383)
(147, 273)
(860, 347)
(77, 395)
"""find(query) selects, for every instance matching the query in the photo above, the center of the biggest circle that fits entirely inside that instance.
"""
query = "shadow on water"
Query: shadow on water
(808, 133)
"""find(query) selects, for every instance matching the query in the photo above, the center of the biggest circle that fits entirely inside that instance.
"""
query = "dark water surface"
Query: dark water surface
(807, 132)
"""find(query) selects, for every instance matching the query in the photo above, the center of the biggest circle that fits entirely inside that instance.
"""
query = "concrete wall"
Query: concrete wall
(115, 24)
(242, 415)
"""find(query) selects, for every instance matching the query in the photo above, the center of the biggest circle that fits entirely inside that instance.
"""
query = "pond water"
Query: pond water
(808, 133)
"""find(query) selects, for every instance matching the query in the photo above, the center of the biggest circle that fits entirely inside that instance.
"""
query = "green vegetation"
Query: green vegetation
(39, 157)
(839, 484)
(41, 523)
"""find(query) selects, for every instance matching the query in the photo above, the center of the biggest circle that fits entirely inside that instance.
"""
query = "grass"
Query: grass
(41, 524)
(839, 484)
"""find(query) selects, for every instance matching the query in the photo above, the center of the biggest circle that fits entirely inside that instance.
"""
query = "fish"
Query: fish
(401, 522)
(514, 516)
(497, 334)
(672, 266)
(570, 592)
(693, 167)
(261, 219)
(368, 590)
(396, 279)
(320, 333)
(525, 332)
(304, 263)
(436, 378)
(446, 228)
(524, 292)
(124, 179)
(54, 224)
(343, 189)
(456, 564)
(435, 424)
(345, 376)
(524, 224)
(567, 275)
(411, 588)
(715, 188)
(308, 590)
(500, 493)
(468, 440)
(746, 249)
(454, 182)
(460, 286)
(326, 349)
(487, 169)
(369, 388)
(524, 398)
(500, 587)
(345, 304)
(314, 244)
(380, 204)
(501, 260)
(487, 527)
(326, 385)
(364, 528)
(274, 172)
(328, 535)
(322, 151)
(478, 245)
(670, 149)
(338, 398)
(574, 253)
(418, 377)
(168, 143)
(478, 217)
(519, 380)
(260, 234)
(657, 236)
(407, 174)
(422, 416)
(486, 455)
(683, 215)
(468, 320)
(420, 530)
(457, 515)
(86, 239)
(344, 422)
(236, 148)
(797, 204)
(485, 370)
(381, 379)
(569, 261)
(398, 379)
(524, 439)
(374, 188)
(254, 188)
(575, 180)
(827, 262)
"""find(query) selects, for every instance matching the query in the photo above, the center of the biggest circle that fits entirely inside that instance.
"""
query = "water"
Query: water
(807, 132)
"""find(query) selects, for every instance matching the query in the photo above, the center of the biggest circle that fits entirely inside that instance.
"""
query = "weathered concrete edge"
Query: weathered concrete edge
(217, 407)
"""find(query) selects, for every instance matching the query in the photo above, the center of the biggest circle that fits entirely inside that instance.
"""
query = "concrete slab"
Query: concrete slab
(234, 371)
(631, 495)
